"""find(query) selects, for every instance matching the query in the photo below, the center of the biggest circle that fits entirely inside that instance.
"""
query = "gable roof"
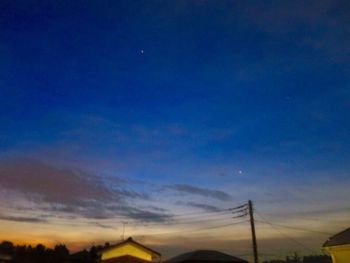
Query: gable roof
(205, 255)
(342, 238)
(130, 240)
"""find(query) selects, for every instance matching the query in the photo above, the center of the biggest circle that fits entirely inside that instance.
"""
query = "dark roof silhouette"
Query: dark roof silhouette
(82, 255)
(130, 240)
(341, 238)
(205, 256)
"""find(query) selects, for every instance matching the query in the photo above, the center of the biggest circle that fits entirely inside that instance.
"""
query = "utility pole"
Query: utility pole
(124, 223)
(255, 247)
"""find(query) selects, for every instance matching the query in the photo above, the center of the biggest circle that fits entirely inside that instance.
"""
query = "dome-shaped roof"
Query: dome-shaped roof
(205, 256)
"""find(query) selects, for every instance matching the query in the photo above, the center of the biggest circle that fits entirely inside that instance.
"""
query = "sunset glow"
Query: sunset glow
(152, 119)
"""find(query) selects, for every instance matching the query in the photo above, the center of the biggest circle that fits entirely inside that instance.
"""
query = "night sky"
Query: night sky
(160, 115)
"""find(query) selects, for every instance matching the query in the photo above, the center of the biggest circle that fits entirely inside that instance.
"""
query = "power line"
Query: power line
(174, 221)
(200, 215)
(295, 228)
(299, 228)
(225, 210)
(302, 215)
(124, 217)
(139, 223)
(242, 215)
(283, 234)
(203, 212)
(167, 223)
(196, 230)
(239, 207)
(191, 214)
(108, 223)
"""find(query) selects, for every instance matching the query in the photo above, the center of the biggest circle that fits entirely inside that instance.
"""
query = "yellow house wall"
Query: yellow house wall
(127, 249)
(339, 254)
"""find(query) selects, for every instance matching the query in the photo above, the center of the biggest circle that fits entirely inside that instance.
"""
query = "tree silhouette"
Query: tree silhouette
(61, 254)
(7, 247)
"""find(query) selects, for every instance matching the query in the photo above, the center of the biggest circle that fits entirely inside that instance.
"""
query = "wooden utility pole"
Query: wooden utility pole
(255, 247)
(124, 223)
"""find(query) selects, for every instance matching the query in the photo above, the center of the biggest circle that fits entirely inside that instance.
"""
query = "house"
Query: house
(338, 246)
(205, 256)
(129, 251)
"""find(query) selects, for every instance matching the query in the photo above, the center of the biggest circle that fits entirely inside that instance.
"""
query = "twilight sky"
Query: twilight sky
(160, 115)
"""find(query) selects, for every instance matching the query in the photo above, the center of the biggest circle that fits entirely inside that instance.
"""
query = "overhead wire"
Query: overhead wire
(196, 230)
(299, 228)
(169, 223)
(302, 215)
(202, 212)
(293, 227)
(283, 234)
(241, 207)
(126, 216)
(135, 223)
(225, 214)
(224, 210)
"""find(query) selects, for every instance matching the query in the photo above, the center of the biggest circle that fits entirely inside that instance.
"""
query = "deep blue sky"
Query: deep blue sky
(212, 94)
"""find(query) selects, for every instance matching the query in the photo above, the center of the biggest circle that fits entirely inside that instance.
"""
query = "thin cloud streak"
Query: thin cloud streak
(23, 219)
(194, 190)
(202, 206)
(65, 191)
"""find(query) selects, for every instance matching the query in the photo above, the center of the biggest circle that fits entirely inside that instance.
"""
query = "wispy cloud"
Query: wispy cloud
(104, 226)
(23, 219)
(194, 190)
(63, 191)
(205, 207)
(51, 184)
(145, 215)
